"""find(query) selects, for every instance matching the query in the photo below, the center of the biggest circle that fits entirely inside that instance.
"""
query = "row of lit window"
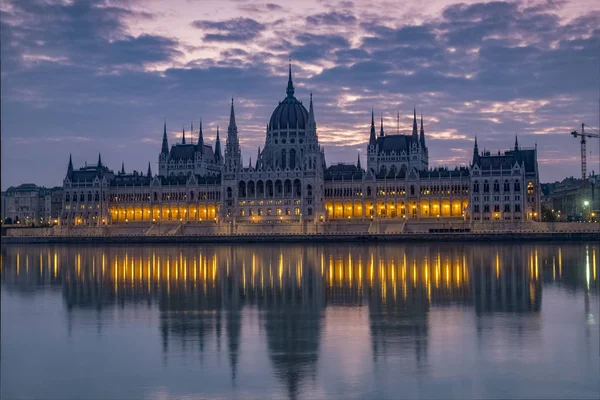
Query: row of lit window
(269, 212)
(269, 202)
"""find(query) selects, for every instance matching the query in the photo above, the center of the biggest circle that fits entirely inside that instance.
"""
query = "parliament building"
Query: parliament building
(290, 182)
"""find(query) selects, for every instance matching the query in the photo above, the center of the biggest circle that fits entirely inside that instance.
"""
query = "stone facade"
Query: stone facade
(29, 204)
(290, 187)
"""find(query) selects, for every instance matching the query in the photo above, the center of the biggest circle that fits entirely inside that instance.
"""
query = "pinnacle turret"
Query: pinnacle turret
(516, 143)
(149, 172)
(99, 161)
(200, 145)
(218, 156)
(123, 168)
(372, 138)
(165, 143)
(475, 152)
(311, 114)
(381, 133)
(358, 162)
(415, 132)
(422, 134)
(183, 132)
(70, 167)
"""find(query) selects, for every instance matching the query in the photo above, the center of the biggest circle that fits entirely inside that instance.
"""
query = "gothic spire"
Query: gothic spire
(183, 130)
(70, 167)
(290, 86)
(123, 167)
(311, 113)
(422, 134)
(217, 147)
(257, 157)
(165, 143)
(192, 132)
(372, 138)
(415, 132)
(475, 152)
(99, 161)
(232, 124)
(233, 155)
(250, 163)
(200, 145)
(381, 134)
(358, 162)
(516, 143)
(149, 173)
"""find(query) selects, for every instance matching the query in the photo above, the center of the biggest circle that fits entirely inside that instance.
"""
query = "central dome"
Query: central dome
(289, 111)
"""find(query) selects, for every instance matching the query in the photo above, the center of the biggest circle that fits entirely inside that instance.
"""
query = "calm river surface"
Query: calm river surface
(301, 321)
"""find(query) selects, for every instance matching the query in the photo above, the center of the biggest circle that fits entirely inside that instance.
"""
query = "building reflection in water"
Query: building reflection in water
(202, 291)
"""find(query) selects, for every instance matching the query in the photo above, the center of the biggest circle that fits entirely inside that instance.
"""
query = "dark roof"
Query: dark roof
(508, 160)
(182, 152)
(208, 151)
(397, 143)
(343, 171)
(289, 111)
(88, 173)
(131, 180)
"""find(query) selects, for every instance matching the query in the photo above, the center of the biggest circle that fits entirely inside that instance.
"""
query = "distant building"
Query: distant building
(29, 204)
(290, 183)
(574, 199)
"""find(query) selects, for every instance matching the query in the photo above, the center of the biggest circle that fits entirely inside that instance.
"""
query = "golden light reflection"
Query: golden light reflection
(393, 275)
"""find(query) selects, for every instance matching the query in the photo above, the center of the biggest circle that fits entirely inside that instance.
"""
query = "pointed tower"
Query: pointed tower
(123, 168)
(358, 162)
(312, 124)
(99, 161)
(475, 152)
(422, 134)
(218, 156)
(381, 133)
(290, 87)
(149, 172)
(183, 131)
(233, 156)
(200, 145)
(372, 138)
(257, 157)
(415, 132)
(70, 167)
(516, 143)
(165, 143)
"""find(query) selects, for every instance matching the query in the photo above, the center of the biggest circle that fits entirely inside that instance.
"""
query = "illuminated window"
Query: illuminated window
(297, 211)
(269, 211)
(529, 187)
(278, 211)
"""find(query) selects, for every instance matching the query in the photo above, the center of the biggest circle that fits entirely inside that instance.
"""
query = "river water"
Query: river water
(301, 321)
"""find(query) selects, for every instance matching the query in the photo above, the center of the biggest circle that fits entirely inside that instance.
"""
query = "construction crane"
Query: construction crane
(583, 134)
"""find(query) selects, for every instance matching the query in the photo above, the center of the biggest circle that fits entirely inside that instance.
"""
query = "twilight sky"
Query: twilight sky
(84, 77)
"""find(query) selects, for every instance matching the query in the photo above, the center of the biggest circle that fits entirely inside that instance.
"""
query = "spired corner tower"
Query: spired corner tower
(286, 183)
